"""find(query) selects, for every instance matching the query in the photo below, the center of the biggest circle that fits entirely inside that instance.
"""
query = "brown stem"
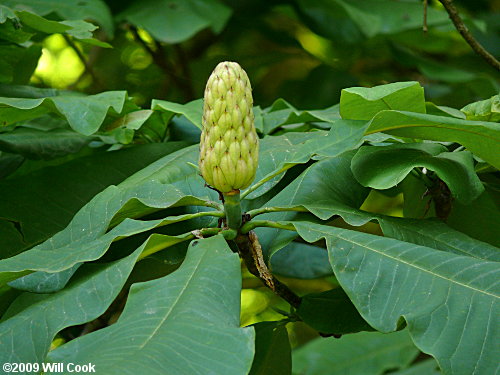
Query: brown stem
(251, 252)
(86, 64)
(160, 59)
(462, 29)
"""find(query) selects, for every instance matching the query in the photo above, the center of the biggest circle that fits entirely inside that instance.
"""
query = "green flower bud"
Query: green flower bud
(229, 146)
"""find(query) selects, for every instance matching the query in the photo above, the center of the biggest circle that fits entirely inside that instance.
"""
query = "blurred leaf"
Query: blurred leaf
(273, 355)
(301, 261)
(361, 103)
(383, 167)
(38, 144)
(426, 367)
(175, 21)
(18, 63)
(479, 219)
(331, 312)
(480, 137)
(85, 114)
(484, 110)
(96, 10)
(440, 110)
(165, 315)
(87, 296)
(366, 353)
(63, 190)
(9, 163)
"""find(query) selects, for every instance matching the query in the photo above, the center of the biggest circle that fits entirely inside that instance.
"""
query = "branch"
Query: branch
(251, 252)
(265, 210)
(462, 29)
(86, 65)
(250, 225)
(161, 61)
(264, 180)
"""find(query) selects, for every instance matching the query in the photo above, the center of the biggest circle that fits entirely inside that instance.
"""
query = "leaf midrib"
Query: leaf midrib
(409, 264)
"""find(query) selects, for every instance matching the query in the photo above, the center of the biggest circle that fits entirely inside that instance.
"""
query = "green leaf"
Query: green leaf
(386, 166)
(273, 355)
(480, 137)
(175, 21)
(301, 261)
(41, 24)
(38, 144)
(484, 110)
(350, 20)
(340, 195)
(62, 191)
(85, 114)
(479, 219)
(426, 367)
(283, 113)
(96, 10)
(438, 235)
(193, 111)
(361, 103)
(367, 353)
(279, 153)
(191, 317)
(449, 302)
(331, 312)
(87, 296)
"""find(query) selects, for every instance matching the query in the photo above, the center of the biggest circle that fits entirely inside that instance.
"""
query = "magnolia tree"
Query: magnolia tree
(147, 275)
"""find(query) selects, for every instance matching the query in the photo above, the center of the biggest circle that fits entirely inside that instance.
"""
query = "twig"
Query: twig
(265, 210)
(86, 65)
(251, 253)
(264, 180)
(250, 225)
(161, 61)
(462, 29)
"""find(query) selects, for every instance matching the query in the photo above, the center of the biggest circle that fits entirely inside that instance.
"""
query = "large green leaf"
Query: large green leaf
(193, 111)
(479, 219)
(68, 9)
(272, 350)
(369, 17)
(283, 113)
(175, 21)
(426, 367)
(278, 153)
(484, 110)
(85, 114)
(32, 321)
(167, 182)
(36, 144)
(62, 191)
(480, 137)
(449, 302)
(184, 323)
(301, 261)
(362, 103)
(438, 235)
(383, 167)
(324, 197)
(363, 353)
(331, 312)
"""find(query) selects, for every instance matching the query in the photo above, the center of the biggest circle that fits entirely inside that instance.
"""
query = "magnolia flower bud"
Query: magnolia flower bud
(229, 146)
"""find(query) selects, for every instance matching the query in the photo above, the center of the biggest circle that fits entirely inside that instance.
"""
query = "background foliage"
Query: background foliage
(100, 112)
